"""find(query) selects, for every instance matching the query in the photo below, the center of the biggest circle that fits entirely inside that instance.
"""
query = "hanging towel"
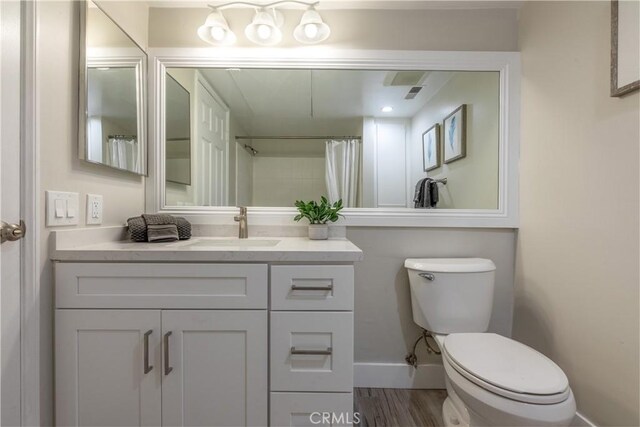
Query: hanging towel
(433, 193)
(426, 194)
(418, 197)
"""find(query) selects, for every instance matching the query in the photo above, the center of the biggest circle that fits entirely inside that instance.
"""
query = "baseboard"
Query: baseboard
(398, 375)
(581, 421)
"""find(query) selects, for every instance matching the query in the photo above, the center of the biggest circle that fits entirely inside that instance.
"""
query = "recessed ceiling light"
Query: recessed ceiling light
(387, 109)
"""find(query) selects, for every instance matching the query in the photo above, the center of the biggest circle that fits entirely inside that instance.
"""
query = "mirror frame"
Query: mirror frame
(140, 66)
(506, 63)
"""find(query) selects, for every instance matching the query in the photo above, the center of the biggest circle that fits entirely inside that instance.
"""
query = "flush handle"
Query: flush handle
(429, 276)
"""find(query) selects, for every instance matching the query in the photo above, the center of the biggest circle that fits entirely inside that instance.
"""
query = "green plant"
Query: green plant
(319, 213)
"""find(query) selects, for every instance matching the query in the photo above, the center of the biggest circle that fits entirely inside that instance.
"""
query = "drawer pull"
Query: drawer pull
(312, 288)
(299, 351)
(167, 368)
(147, 367)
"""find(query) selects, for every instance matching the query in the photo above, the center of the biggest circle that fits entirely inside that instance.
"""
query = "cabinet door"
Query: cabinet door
(214, 368)
(108, 368)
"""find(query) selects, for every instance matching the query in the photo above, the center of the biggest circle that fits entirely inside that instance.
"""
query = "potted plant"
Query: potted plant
(319, 214)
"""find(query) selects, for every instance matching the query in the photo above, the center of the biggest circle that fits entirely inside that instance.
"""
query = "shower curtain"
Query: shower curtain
(122, 152)
(343, 176)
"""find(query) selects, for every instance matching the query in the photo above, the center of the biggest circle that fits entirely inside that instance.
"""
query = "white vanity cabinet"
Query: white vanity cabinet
(134, 347)
(195, 344)
(311, 344)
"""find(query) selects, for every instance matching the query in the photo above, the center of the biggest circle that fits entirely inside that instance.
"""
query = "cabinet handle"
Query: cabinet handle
(147, 367)
(167, 368)
(311, 288)
(326, 352)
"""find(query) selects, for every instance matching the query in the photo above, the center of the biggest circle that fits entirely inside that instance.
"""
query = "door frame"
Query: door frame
(30, 207)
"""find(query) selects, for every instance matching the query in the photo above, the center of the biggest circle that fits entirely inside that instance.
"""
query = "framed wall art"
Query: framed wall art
(625, 47)
(454, 127)
(431, 148)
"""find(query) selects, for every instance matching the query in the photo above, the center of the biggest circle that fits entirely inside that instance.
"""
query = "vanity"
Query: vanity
(210, 331)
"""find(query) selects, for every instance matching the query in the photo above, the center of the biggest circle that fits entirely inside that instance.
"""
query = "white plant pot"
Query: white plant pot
(318, 231)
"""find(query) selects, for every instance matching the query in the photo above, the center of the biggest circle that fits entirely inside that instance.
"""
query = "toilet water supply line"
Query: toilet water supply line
(411, 358)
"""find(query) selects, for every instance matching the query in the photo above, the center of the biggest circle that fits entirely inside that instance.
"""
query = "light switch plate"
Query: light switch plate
(94, 209)
(62, 208)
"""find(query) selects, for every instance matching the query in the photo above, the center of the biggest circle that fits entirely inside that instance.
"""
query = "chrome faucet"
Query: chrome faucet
(243, 227)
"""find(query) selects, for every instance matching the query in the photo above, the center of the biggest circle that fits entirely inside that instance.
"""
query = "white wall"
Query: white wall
(577, 256)
(472, 182)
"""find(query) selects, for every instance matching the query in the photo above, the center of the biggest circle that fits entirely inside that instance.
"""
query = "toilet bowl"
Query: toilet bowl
(491, 380)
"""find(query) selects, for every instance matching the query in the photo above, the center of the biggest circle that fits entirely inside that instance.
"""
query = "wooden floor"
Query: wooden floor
(387, 407)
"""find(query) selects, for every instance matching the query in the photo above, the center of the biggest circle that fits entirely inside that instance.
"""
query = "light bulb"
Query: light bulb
(311, 31)
(387, 109)
(263, 31)
(218, 33)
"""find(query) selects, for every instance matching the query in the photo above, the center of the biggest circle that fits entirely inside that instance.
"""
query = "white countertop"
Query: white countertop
(213, 249)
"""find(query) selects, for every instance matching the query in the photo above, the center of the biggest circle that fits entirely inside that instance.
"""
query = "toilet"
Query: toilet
(491, 380)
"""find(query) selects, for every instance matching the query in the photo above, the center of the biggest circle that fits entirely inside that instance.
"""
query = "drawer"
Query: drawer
(312, 287)
(149, 285)
(312, 351)
(312, 409)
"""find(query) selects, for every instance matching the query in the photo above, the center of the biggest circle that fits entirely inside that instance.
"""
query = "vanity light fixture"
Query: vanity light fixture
(387, 109)
(311, 28)
(266, 27)
(216, 30)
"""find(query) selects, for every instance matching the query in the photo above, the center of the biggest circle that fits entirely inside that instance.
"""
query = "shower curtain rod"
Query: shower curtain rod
(298, 137)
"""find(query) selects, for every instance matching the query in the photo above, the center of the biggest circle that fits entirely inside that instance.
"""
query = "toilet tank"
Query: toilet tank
(451, 295)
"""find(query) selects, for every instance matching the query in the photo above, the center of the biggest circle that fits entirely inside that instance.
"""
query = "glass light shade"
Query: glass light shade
(265, 28)
(216, 30)
(311, 28)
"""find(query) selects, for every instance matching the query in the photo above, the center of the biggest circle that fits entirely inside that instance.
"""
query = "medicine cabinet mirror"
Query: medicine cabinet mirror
(112, 113)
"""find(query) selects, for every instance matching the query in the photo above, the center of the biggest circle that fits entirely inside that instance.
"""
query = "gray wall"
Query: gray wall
(384, 328)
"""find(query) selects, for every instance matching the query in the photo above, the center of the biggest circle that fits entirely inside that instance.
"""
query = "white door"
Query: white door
(214, 368)
(10, 211)
(391, 158)
(213, 135)
(108, 368)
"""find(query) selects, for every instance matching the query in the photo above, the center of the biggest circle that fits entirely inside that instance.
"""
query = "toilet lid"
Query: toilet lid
(506, 365)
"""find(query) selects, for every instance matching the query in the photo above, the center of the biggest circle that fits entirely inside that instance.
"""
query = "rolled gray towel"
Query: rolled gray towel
(162, 232)
(138, 226)
(159, 219)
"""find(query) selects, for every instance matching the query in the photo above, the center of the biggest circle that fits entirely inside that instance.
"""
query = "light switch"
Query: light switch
(62, 208)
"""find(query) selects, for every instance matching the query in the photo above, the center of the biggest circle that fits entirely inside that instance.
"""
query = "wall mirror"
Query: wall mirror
(112, 122)
(425, 141)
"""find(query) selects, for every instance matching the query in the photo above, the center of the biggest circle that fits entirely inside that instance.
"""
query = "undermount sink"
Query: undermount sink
(233, 242)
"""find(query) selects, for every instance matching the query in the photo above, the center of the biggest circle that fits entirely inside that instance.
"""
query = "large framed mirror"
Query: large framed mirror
(401, 138)
(112, 106)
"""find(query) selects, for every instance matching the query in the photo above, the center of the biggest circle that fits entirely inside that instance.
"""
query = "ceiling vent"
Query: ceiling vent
(405, 78)
(413, 92)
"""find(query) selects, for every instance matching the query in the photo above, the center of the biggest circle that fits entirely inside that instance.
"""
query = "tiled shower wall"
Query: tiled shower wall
(280, 181)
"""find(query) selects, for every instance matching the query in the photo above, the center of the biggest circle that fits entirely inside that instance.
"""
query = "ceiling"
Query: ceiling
(314, 102)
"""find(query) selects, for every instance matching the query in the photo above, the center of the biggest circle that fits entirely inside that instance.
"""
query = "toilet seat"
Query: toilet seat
(506, 367)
